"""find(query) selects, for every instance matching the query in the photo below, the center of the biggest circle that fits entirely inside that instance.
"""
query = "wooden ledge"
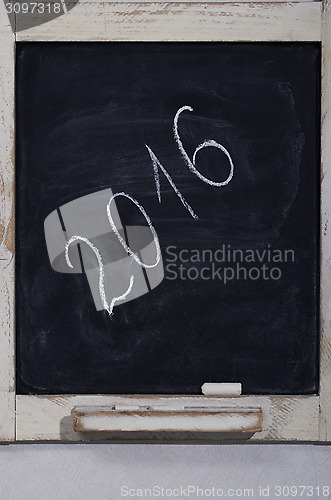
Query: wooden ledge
(162, 419)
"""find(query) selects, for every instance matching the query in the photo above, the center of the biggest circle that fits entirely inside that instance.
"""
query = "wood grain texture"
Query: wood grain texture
(204, 1)
(102, 419)
(285, 418)
(325, 352)
(7, 366)
(184, 21)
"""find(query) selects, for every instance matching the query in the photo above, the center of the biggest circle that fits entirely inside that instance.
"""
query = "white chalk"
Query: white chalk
(102, 292)
(225, 389)
(210, 143)
(121, 240)
(157, 165)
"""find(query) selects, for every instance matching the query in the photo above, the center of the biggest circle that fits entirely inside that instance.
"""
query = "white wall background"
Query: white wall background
(98, 471)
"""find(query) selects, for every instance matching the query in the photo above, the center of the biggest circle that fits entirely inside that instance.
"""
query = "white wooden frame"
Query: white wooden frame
(285, 418)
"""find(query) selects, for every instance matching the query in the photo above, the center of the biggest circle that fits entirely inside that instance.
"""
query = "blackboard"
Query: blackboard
(100, 117)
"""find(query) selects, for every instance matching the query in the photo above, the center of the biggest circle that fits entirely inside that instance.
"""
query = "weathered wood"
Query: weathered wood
(285, 418)
(103, 419)
(325, 352)
(7, 367)
(204, 1)
(185, 21)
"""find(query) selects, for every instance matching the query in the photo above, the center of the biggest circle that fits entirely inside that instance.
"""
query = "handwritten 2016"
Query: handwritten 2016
(157, 167)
